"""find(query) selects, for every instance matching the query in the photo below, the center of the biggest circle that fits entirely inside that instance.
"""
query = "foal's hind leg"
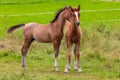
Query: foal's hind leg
(77, 46)
(24, 50)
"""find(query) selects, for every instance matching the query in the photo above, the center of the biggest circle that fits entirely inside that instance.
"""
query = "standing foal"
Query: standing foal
(73, 35)
(50, 33)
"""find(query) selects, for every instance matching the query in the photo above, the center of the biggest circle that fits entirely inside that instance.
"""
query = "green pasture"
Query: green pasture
(100, 45)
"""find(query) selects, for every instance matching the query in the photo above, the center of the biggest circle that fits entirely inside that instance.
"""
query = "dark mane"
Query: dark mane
(57, 14)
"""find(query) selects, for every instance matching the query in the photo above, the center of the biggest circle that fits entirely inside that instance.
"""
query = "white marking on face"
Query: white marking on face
(76, 14)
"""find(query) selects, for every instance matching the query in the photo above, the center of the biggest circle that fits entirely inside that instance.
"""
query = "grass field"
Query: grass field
(100, 46)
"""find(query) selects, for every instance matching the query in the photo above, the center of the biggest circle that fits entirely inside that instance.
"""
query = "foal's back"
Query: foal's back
(39, 32)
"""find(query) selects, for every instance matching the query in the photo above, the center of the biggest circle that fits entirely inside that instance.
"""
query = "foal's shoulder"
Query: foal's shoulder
(67, 25)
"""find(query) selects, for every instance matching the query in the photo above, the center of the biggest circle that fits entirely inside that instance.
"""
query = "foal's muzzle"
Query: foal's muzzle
(77, 23)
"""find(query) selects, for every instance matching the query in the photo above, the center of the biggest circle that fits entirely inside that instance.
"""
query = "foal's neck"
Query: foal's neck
(59, 23)
(74, 27)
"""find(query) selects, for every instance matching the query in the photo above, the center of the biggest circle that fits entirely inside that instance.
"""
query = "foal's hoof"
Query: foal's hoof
(75, 68)
(69, 68)
(79, 70)
(24, 68)
(56, 69)
(66, 71)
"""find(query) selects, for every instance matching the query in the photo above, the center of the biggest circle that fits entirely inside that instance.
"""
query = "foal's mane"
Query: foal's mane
(57, 14)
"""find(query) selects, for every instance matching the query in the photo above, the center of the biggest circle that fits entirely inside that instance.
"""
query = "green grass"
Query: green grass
(86, 17)
(100, 46)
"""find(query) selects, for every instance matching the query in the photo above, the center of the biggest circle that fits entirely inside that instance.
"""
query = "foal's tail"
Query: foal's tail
(11, 29)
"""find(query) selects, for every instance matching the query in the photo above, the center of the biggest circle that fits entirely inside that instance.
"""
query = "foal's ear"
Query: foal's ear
(71, 8)
(65, 7)
(78, 7)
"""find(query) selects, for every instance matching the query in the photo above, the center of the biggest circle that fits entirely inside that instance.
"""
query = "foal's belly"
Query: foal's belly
(42, 38)
(42, 35)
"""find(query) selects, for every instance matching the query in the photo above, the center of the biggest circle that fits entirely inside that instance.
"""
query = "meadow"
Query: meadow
(100, 45)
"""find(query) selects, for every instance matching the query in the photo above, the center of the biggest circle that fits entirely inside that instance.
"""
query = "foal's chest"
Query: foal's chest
(75, 37)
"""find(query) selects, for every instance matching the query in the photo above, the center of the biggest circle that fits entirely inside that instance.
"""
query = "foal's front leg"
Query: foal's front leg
(75, 58)
(56, 46)
(77, 55)
(67, 67)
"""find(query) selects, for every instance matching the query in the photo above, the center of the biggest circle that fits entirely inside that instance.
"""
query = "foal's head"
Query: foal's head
(68, 13)
(64, 13)
(76, 15)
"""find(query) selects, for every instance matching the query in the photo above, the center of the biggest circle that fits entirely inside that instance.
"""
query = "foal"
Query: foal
(50, 33)
(73, 35)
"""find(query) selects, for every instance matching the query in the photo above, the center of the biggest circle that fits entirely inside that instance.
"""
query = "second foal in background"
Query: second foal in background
(73, 35)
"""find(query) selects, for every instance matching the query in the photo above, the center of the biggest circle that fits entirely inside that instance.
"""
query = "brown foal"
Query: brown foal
(73, 35)
(50, 33)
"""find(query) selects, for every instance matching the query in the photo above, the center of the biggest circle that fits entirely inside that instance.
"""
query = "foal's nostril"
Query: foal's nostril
(77, 23)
